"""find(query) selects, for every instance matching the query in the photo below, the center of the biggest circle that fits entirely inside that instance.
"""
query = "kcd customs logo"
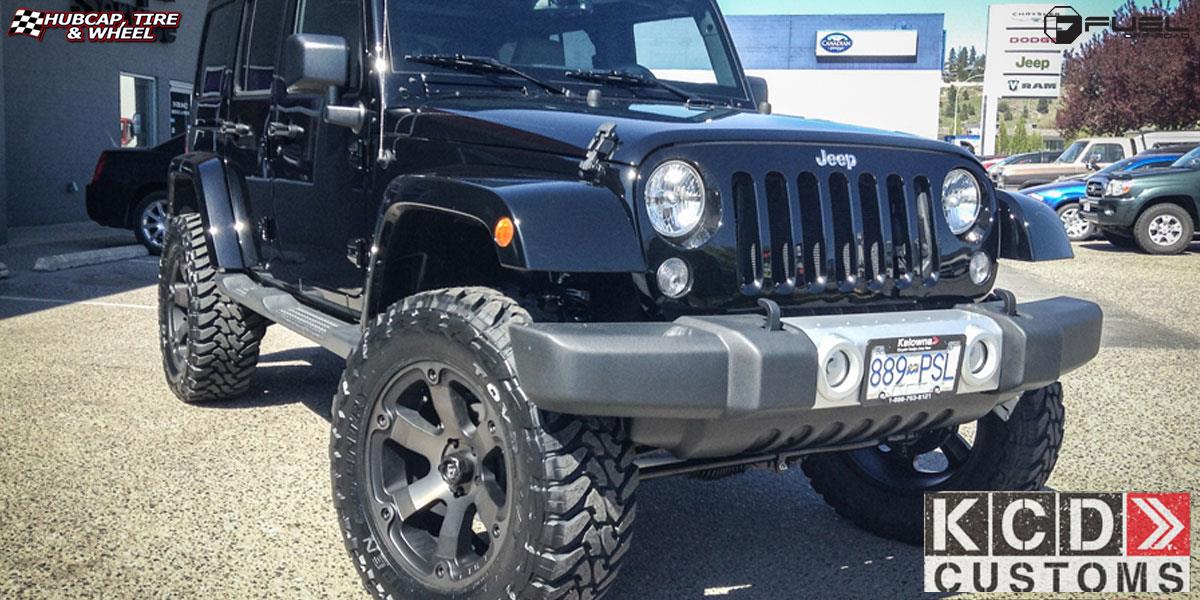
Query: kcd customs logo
(836, 43)
(1057, 542)
(94, 26)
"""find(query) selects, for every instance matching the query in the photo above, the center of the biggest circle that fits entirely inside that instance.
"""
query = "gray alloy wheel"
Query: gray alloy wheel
(1164, 229)
(150, 221)
(1078, 229)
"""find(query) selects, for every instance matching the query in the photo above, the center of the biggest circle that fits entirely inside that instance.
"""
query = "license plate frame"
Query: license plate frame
(910, 346)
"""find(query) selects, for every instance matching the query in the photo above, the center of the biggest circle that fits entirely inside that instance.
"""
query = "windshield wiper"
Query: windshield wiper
(633, 79)
(479, 64)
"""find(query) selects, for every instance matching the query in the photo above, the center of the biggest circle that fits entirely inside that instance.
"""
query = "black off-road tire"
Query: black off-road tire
(1013, 455)
(209, 343)
(1118, 239)
(571, 480)
(1145, 239)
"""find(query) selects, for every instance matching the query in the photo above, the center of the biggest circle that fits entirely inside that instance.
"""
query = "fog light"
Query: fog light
(837, 368)
(977, 357)
(674, 278)
(981, 268)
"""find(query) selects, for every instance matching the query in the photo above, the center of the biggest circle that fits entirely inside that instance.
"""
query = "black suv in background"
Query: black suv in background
(564, 247)
(129, 190)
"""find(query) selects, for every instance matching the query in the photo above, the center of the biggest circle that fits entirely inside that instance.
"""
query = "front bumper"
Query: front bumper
(717, 386)
(1108, 212)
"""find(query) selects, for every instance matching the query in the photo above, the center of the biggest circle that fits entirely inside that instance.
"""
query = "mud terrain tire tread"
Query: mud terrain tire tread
(582, 491)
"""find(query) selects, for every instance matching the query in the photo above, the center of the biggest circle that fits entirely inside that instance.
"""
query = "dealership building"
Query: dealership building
(63, 103)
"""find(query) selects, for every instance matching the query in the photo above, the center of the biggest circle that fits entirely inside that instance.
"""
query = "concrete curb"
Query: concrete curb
(58, 262)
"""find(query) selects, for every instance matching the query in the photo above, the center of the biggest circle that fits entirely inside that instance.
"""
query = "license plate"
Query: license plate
(912, 369)
(1087, 206)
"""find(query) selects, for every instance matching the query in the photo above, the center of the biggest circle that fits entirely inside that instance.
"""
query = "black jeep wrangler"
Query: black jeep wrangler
(564, 247)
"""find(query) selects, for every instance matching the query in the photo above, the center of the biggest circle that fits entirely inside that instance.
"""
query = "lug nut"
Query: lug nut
(382, 421)
(495, 531)
(440, 571)
(432, 375)
(386, 513)
(491, 427)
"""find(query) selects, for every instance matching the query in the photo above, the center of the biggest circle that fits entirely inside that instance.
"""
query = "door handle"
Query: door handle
(287, 131)
(235, 129)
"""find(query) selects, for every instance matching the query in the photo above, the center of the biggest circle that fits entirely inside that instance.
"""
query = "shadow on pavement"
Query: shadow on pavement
(307, 376)
(26, 291)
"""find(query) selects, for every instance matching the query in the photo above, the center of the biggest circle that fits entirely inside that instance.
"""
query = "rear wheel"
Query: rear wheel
(882, 489)
(450, 484)
(1164, 229)
(209, 343)
(150, 221)
(1078, 229)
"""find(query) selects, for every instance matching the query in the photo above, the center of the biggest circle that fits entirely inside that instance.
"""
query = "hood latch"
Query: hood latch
(599, 150)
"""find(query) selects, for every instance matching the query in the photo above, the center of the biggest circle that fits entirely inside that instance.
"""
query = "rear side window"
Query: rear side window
(1109, 153)
(262, 45)
(335, 17)
(1154, 164)
(220, 42)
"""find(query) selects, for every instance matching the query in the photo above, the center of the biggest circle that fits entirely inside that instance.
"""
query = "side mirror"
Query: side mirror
(1093, 162)
(312, 63)
(760, 93)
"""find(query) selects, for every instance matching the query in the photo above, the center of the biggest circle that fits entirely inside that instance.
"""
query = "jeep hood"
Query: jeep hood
(566, 126)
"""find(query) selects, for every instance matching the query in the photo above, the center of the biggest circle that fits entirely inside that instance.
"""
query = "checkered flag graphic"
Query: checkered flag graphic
(26, 22)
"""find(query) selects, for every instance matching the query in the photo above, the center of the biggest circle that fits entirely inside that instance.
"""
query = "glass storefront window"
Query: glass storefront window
(138, 117)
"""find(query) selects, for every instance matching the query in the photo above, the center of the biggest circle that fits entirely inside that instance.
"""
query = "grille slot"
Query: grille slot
(783, 242)
(750, 249)
(872, 233)
(812, 227)
(1095, 189)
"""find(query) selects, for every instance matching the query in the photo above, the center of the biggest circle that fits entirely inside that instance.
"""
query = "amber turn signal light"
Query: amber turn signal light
(504, 231)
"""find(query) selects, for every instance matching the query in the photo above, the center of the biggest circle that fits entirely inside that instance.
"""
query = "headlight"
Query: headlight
(1118, 187)
(675, 199)
(961, 200)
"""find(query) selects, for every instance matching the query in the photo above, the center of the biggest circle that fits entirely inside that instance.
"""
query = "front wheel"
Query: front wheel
(1164, 229)
(881, 489)
(1078, 229)
(449, 483)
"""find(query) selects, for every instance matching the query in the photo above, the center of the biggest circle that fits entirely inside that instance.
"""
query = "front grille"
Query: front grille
(833, 233)
(1095, 189)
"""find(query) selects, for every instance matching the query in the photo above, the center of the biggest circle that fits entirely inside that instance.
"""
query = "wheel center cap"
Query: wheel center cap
(455, 470)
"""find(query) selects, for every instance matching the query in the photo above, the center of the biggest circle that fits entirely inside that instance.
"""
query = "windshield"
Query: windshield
(679, 41)
(1072, 152)
(1191, 160)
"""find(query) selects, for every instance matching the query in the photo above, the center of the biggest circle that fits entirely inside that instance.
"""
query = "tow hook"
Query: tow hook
(773, 314)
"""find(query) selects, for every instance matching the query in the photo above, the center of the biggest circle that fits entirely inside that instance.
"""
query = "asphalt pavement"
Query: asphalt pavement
(112, 488)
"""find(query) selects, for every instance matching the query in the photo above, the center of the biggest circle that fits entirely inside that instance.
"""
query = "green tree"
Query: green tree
(1003, 142)
(1043, 105)
(948, 73)
(960, 66)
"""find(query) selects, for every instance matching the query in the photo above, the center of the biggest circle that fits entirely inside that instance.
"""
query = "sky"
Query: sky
(966, 20)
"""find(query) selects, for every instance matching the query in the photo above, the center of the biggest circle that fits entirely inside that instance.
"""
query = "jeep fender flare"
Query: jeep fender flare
(1030, 230)
(205, 183)
(561, 225)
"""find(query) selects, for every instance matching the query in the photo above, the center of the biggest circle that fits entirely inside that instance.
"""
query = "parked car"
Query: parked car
(1086, 156)
(1155, 210)
(1065, 194)
(1025, 158)
(553, 274)
(129, 190)
(990, 161)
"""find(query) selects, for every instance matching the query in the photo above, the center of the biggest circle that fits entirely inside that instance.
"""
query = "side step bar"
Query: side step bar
(333, 334)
